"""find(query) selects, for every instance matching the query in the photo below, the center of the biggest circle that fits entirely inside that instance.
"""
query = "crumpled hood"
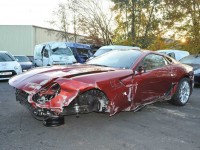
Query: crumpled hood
(34, 79)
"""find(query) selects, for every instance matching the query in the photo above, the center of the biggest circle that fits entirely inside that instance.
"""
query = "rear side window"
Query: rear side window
(153, 61)
(5, 57)
(172, 54)
(82, 51)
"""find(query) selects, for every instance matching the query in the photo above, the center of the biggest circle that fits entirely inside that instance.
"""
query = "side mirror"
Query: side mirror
(140, 68)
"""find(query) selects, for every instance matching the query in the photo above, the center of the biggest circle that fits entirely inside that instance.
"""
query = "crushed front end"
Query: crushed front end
(51, 102)
(51, 93)
(38, 105)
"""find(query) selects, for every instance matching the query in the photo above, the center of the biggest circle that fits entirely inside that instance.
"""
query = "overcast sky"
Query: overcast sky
(27, 12)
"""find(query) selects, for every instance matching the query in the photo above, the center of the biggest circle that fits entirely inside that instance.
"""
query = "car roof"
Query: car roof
(145, 51)
(118, 47)
(194, 55)
(3, 51)
(173, 50)
(52, 42)
(78, 45)
(20, 55)
(87, 46)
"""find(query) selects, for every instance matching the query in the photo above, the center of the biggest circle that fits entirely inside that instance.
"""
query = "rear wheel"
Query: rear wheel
(182, 94)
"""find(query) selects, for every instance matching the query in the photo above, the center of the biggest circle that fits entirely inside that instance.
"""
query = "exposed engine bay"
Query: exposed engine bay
(89, 101)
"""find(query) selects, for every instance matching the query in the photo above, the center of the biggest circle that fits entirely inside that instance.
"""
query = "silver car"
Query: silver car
(8, 66)
(24, 61)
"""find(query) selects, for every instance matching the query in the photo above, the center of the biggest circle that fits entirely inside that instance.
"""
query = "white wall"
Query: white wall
(17, 39)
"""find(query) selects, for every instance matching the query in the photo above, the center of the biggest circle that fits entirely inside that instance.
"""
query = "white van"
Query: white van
(8, 66)
(53, 53)
(176, 54)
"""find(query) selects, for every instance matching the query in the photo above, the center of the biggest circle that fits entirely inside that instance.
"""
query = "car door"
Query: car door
(154, 81)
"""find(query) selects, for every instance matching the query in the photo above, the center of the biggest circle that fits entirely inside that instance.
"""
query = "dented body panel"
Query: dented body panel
(61, 90)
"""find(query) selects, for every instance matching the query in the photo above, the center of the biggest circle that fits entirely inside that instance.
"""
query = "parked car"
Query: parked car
(194, 61)
(8, 66)
(24, 61)
(53, 53)
(120, 80)
(176, 54)
(107, 48)
(31, 58)
(81, 52)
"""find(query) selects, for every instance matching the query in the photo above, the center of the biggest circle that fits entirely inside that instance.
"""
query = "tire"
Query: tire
(53, 121)
(182, 93)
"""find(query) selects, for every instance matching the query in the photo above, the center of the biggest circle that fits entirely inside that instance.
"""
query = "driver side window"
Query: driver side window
(153, 61)
(45, 53)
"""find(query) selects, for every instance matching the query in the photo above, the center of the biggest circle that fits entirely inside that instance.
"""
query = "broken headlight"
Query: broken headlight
(47, 93)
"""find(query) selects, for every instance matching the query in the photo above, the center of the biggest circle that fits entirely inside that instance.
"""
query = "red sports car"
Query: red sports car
(120, 80)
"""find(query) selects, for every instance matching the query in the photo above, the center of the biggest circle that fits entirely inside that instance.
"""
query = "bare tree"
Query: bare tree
(95, 20)
(61, 21)
(87, 17)
(72, 7)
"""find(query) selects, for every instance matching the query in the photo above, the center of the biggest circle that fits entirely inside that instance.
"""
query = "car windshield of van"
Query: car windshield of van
(62, 51)
(116, 59)
(101, 51)
(5, 57)
(22, 58)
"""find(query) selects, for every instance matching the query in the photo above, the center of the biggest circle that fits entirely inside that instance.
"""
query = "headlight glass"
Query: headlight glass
(17, 67)
(197, 71)
(47, 93)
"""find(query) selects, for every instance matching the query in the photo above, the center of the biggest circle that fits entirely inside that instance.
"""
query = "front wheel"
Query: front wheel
(182, 94)
(53, 121)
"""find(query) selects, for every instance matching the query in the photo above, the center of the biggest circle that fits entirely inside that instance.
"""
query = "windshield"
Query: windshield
(60, 49)
(192, 59)
(5, 57)
(116, 59)
(101, 51)
(22, 58)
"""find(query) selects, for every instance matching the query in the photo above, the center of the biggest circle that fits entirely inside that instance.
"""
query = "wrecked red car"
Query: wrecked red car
(120, 80)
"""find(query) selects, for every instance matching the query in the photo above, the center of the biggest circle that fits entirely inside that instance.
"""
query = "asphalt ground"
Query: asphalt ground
(160, 126)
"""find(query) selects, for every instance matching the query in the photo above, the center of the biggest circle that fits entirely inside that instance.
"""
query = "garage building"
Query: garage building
(21, 39)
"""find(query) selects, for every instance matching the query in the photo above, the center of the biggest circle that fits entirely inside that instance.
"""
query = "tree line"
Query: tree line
(149, 24)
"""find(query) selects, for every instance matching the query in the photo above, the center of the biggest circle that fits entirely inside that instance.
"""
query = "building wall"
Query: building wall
(43, 35)
(21, 39)
(17, 39)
